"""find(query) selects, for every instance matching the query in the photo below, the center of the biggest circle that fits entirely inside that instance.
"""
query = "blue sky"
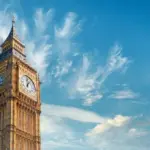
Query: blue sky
(93, 61)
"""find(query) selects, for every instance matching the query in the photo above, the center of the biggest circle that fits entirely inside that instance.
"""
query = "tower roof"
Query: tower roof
(13, 39)
(12, 33)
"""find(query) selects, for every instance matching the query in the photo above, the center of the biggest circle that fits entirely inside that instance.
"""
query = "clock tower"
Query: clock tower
(19, 98)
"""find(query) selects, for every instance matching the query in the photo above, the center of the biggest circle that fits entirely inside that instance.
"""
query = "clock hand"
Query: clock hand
(28, 82)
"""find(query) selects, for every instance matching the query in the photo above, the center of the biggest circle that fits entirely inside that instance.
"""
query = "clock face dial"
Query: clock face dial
(1, 80)
(28, 85)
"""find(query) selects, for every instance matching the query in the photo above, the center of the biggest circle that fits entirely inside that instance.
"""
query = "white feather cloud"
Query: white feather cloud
(88, 84)
(124, 94)
(118, 121)
(71, 113)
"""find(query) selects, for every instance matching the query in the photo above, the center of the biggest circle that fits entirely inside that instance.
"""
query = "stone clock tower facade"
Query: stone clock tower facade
(19, 98)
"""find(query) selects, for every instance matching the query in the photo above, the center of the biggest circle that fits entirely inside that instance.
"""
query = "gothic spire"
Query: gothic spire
(12, 41)
(13, 35)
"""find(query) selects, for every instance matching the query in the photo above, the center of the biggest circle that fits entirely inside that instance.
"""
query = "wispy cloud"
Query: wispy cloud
(124, 94)
(62, 68)
(133, 132)
(115, 62)
(64, 46)
(88, 84)
(71, 113)
(42, 19)
(69, 28)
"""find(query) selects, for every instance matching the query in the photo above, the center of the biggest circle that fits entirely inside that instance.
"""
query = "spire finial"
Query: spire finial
(13, 20)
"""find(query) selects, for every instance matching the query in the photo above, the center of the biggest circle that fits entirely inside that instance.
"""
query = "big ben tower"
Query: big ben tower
(19, 98)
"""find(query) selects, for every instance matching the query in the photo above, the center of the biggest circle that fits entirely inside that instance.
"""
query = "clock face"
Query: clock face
(28, 85)
(1, 80)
